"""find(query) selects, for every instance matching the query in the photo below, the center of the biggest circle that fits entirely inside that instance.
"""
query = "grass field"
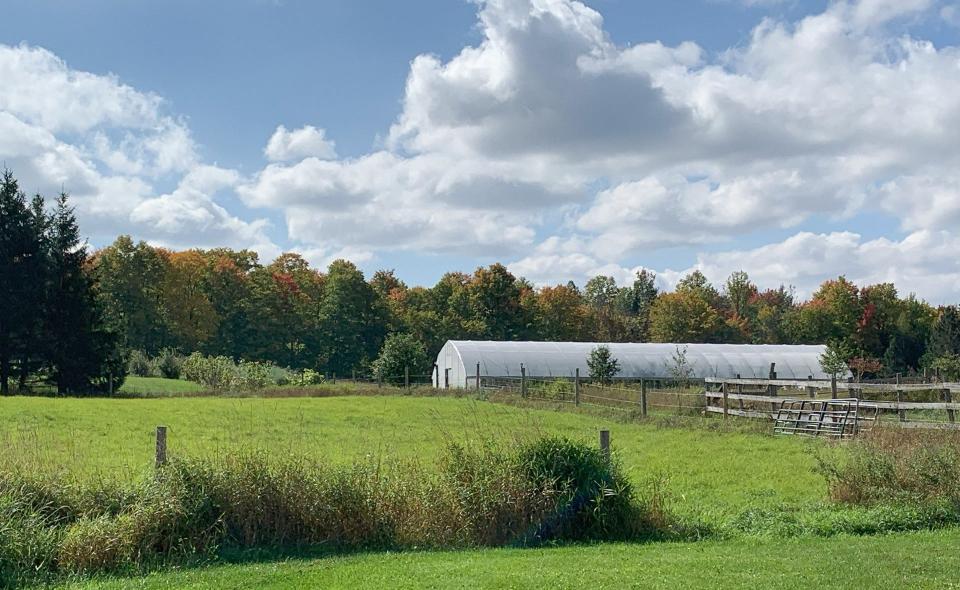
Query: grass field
(134, 385)
(710, 470)
(914, 560)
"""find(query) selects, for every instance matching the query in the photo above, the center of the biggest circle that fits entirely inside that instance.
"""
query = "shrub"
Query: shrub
(400, 351)
(603, 365)
(169, 363)
(140, 364)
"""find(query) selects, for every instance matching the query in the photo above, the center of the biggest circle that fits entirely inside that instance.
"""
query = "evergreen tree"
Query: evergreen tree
(17, 246)
(84, 354)
(603, 365)
(945, 334)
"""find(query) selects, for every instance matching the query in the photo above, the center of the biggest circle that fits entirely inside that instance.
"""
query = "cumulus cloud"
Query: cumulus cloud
(924, 262)
(550, 145)
(306, 142)
(109, 145)
(548, 127)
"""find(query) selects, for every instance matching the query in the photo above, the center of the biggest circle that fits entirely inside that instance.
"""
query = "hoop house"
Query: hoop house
(637, 360)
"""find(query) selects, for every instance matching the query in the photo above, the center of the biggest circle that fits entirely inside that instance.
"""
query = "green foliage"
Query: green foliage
(834, 359)
(545, 490)
(140, 364)
(400, 352)
(169, 363)
(220, 373)
(603, 365)
(947, 366)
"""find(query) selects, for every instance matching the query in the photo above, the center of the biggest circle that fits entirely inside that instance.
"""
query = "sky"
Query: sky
(794, 140)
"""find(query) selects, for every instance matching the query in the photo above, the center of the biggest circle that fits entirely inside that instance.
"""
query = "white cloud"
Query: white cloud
(924, 262)
(306, 142)
(109, 145)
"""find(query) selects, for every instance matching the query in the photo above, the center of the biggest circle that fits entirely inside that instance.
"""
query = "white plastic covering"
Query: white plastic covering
(637, 360)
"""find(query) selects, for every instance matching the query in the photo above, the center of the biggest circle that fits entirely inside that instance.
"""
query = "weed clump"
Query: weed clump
(888, 465)
(547, 490)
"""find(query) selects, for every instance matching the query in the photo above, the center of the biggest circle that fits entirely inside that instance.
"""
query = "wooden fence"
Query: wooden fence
(909, 405)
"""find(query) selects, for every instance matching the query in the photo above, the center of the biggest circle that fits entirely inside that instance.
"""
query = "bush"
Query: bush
(140, 364)
(399, 352)
(169, 363)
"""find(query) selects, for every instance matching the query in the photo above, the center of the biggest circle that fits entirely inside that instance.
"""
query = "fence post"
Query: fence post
(478, 376)
(523, 381)
(811, 391)
(643, 398)
(901, 413)
(576, 387)
(436, 376)
(353, 375)
(852, 390)
(723, 388)
(740, 393)
(110, 381)
(161, 446)
(833, 387)
(406, 376)
(772, 389)
(948, 397)
(333, 378)
(379, 380)
(446, 378)
(605, 444)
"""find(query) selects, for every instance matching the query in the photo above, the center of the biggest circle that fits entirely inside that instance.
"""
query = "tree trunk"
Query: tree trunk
(5, 376)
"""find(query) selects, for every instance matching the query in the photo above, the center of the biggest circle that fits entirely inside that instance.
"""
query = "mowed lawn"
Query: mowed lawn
(915, 560)
(703, 469)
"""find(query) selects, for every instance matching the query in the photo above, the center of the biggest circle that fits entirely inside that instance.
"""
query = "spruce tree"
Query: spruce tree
(84, 353)
(16, 245)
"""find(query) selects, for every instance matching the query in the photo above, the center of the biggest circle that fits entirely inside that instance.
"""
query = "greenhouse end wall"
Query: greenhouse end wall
(458, 359)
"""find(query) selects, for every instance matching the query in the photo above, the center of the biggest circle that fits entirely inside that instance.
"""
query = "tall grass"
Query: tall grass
(547, 490)
(893, 465)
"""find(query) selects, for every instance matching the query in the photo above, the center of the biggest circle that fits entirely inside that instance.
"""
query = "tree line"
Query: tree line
(70, 315)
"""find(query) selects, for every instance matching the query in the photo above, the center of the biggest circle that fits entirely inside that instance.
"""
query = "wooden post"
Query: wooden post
(901, 413)
(833, 387)
(723, 388)
(110, 383)
(353, 375)
(740, 392)
(161, 446)
(523, 381)
(948, 397)
(446, 378)
(811, 391)
(406, 376)
(643, 398)
(478, 376)
(333, 378)
(436, 376)
(379, 380)
(605, 444)
(576, 387)
(772, 389)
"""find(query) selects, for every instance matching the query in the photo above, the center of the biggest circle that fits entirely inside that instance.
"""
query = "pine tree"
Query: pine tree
(84, 355)
(16, 245)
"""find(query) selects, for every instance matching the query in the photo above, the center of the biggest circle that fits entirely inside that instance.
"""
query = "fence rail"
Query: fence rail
(931, 406)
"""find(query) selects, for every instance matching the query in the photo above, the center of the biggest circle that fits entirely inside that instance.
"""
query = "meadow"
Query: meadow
(710, 471)
(749, 508)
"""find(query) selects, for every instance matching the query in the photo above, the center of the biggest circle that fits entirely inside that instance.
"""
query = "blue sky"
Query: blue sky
(718, 149)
